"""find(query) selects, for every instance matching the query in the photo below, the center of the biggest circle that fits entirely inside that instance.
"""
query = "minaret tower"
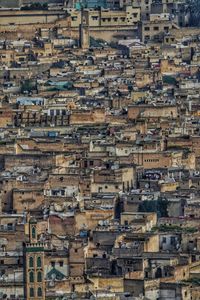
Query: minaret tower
(84, 36)
(34, 265)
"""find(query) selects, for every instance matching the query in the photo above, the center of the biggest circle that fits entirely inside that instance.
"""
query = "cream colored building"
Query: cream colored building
(105, 17)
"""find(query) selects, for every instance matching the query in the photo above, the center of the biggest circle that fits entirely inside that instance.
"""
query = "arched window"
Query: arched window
(39, 277)
(31, 276)
(39, 262)
(39, 292)
(31, 292)
(31, 262)
(33, 232)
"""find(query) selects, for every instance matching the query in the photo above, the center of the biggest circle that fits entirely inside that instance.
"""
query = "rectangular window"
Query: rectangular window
(173, 240)
(61, 263)
(53, 264)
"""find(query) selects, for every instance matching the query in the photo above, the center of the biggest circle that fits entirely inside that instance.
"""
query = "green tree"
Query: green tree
(27, 86)
(159, 206)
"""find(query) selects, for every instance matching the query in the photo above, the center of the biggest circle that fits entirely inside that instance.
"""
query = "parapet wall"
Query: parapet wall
(184, 31)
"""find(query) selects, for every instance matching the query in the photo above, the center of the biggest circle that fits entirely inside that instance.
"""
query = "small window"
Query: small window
(31, 292)
(39, 292)
(33, 233)
(30, 262)
(39, 262)
(39, 277)
(173, 239)
(31, 276)
(61, 263)
(53, 264)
